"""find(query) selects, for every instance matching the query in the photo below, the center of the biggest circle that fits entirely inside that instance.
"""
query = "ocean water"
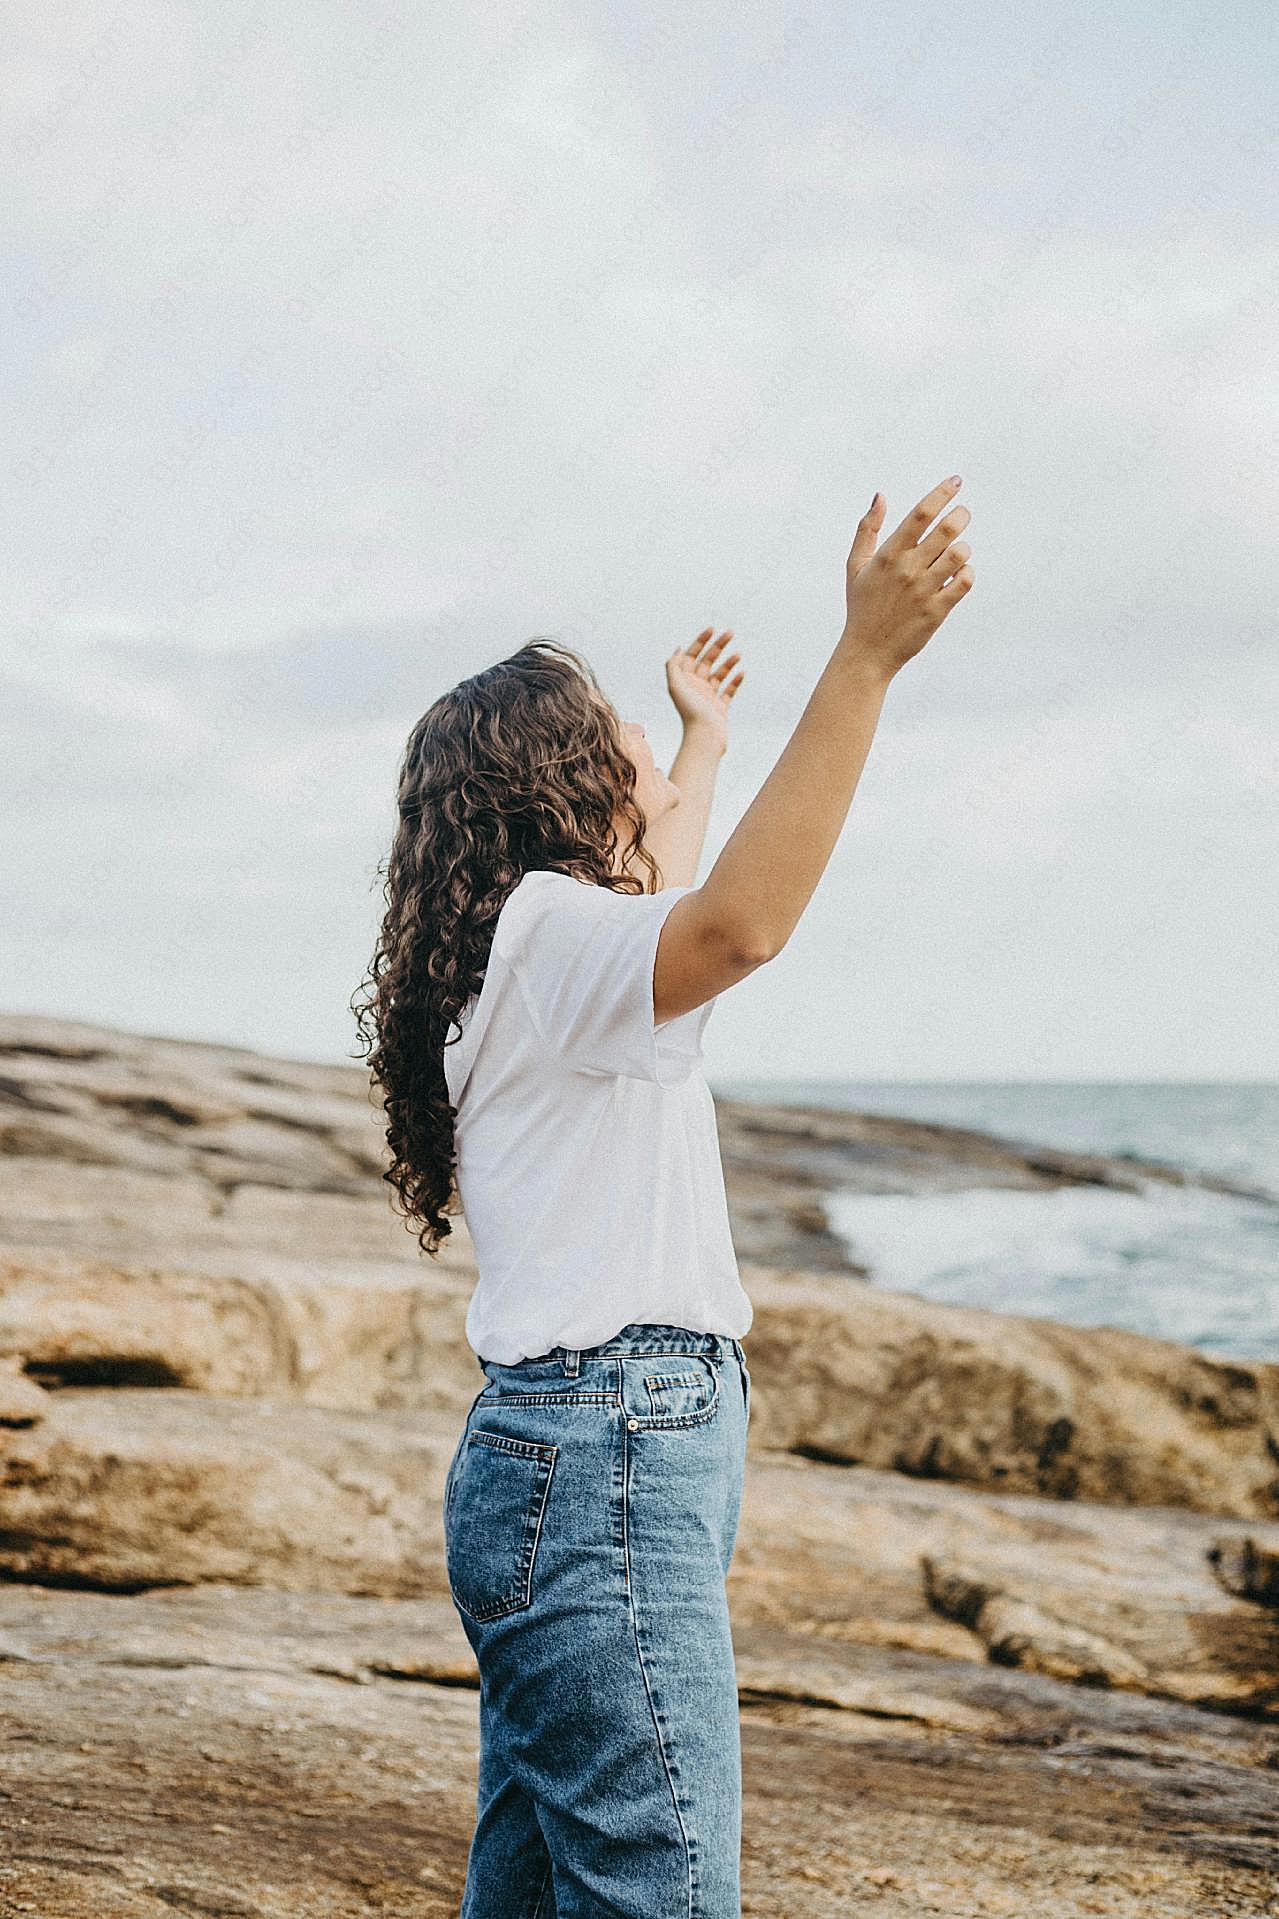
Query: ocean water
(1179, 1263)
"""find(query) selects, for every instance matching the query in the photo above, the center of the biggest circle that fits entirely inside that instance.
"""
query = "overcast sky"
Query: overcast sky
(350, 346)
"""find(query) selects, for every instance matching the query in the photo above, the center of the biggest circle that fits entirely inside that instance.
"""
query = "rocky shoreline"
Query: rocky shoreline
(1005, 1599)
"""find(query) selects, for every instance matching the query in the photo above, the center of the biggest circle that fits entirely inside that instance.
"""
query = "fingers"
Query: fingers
(704, 657)
(948, 561)
(722, 671)
(942, 536)
(920, 518)
(954, 590)
(867, 533)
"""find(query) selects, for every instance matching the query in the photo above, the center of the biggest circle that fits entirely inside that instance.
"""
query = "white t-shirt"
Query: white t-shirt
(588, 1160)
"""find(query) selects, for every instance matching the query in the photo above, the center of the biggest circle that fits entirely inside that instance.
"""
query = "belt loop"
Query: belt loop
(572, 1361)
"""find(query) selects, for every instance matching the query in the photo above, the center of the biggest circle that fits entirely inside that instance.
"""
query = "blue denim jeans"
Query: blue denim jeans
(590, 1514)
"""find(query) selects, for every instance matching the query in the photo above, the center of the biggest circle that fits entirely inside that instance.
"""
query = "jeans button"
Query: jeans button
(633, 1424)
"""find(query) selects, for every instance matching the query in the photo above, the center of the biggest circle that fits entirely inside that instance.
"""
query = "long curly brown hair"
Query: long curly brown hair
(520, 767)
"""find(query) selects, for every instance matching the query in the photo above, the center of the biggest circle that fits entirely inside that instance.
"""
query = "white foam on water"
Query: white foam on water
(1171, 1261)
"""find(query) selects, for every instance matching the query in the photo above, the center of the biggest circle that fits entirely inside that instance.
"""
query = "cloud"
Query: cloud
(351, 352)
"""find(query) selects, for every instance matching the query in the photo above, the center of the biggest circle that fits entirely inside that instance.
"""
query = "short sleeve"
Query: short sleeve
(583, 958)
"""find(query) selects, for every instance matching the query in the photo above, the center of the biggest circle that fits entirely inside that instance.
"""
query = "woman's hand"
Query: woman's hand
(897, 597)
(699, 684)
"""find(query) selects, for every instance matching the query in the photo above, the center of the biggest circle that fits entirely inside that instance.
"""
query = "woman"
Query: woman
(534, 1013)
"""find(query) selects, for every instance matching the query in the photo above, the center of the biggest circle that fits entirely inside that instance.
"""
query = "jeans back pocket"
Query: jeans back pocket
(496, 1504)
(686, 1395)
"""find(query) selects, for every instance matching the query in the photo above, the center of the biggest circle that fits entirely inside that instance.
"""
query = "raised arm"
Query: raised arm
(755, 893)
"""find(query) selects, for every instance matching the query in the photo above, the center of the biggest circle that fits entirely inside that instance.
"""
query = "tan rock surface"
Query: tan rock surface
(272, 1755)
(321, 1296)
(136, 1488)
(975, 1665)
(991, 1399)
